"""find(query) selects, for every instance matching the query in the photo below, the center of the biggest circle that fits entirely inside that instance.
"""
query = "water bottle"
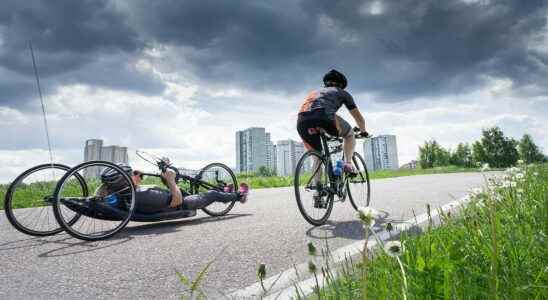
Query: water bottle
(338, 169)
(111, 200)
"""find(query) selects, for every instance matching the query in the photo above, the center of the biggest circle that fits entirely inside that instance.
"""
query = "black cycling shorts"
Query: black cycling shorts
(308, 123)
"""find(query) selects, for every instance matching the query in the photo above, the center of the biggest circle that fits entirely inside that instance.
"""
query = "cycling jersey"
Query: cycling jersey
(319, 111)
(330, 99)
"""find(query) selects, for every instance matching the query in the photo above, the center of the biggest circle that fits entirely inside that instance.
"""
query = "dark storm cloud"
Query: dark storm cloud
(75, 42)
(409, 48)
(397, 50)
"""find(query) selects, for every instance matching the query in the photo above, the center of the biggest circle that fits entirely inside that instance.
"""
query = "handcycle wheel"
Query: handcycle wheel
(28, 200)
(358, 187)
(315, 210)
(216, 176)
(99, 219)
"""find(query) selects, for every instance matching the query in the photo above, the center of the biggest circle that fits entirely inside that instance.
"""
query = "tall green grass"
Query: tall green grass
(495, 248)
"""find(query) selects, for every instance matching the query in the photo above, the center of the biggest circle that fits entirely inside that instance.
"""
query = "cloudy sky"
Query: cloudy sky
(180, 77)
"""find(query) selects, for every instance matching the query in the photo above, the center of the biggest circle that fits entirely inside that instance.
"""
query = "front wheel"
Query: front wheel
(358, 188)
(106, 212)
(217, 177)
(311, 184)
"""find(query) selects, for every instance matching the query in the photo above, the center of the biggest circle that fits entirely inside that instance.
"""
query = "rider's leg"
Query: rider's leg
(202, 200)
(316, 167)
(349, 142)
(308, 131)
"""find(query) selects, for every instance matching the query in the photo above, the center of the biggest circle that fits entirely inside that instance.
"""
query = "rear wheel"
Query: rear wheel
(92, 225)
(28, 200)
(358, 187)
(311, 185)
(217, 177)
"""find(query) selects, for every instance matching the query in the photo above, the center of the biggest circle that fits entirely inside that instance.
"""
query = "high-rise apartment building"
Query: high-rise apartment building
(270, 154)
(288, 153)
(94, 150)
(381, 152)
(114, 154)
(252, 150)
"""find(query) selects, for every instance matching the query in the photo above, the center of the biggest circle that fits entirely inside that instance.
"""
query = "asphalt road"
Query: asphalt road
(142, 261)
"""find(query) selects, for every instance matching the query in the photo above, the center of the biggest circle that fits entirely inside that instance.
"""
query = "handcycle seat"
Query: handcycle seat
(92, 208)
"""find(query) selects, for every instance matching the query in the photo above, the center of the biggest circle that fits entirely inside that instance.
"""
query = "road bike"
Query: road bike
(67, 199)
(316, 183)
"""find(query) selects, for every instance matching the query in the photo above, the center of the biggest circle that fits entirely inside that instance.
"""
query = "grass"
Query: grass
(495, 248)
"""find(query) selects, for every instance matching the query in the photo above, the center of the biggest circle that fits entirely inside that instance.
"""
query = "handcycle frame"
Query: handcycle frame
(77, 204)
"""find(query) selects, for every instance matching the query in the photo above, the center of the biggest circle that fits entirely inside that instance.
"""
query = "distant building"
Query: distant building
(381, 152)
(94, 150)
(271, 156)
(288, 153)
(410, 165)
(114, 154)
(253, 149)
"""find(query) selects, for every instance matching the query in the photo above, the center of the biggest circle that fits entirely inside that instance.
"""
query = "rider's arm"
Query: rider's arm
(357, 115)
(176, 196)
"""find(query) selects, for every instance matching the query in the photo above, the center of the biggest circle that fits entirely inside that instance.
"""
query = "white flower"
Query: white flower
(393, 248)
(367, 216)
(535, 174)
(485, 167)
(513, 184)
(520, 191)
(520, 162)
(520, 175)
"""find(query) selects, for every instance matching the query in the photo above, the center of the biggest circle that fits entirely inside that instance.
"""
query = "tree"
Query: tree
(528, 151)
(462, 156)
(265, 171)
(495, 149)
(431, 154)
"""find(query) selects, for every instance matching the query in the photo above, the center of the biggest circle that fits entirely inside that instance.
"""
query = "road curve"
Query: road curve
(142, 261)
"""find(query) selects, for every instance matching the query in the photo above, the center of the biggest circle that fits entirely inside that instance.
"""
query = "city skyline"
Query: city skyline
(254, 148)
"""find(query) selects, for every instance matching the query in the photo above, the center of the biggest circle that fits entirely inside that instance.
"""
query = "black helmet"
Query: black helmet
(335, 76)
(113, 179)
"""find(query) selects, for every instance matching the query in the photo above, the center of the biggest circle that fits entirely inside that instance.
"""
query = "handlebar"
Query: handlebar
(358, 135)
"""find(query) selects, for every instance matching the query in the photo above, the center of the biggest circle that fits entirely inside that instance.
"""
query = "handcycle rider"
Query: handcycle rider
(319, 112)
(154, 199)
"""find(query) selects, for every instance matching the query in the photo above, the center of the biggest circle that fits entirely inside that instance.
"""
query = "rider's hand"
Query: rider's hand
(169, 176)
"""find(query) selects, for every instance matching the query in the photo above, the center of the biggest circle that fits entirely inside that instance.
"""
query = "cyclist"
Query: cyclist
(155, 199)
(319, 112)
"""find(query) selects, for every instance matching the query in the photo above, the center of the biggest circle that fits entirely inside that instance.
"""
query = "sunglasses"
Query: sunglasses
(136, 173)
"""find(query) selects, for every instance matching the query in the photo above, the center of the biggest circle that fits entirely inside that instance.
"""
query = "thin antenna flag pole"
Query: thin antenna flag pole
(42, 102)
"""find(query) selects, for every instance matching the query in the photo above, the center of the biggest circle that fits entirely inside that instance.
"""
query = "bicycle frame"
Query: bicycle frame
(326, 155)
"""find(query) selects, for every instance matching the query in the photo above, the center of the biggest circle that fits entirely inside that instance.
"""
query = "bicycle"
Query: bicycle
(319, 194)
